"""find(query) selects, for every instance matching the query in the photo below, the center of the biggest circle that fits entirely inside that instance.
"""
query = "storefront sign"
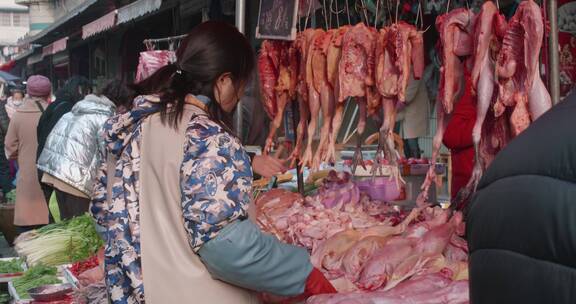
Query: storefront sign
(99, 25)
(277, 19)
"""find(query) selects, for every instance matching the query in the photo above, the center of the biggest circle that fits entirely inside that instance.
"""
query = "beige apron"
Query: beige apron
(171, 271)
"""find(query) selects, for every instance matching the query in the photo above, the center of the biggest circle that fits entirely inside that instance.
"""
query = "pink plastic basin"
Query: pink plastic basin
(381, 189)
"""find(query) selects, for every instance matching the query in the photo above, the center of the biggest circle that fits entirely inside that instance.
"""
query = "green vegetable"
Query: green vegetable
(36, 276)
(11, 197)
(61, 243)
(11, 266)
(4, 298)
(309, 189)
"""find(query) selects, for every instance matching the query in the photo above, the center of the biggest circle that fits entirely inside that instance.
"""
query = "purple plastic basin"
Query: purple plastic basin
(381, 189)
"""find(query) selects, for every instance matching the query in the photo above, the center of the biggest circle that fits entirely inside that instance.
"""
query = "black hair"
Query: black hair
(74, 90)
(210, 50)
(119, 93)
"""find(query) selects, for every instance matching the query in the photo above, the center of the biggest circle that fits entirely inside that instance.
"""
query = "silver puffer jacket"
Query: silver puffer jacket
(71, 150)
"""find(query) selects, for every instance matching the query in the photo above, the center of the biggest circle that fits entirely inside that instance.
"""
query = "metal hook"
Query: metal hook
(364, 11)
(376, 17)
(150, 46)
(448, 6)
(308, 15)
(397, 8)
(337, 12)
(417, 14)
(388, 5)
(348, 12)
(327, 22)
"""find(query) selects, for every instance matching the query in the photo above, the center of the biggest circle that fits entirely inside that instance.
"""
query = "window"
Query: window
(16, 20)
(19, 20)
(5, 19)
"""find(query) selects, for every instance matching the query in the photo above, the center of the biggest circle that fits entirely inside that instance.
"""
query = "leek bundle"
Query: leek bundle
(61, 243)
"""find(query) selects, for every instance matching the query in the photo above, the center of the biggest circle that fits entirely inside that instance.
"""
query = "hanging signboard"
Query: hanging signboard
(277, 19)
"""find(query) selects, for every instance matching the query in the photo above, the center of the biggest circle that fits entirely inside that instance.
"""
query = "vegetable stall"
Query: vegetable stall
(58, 263)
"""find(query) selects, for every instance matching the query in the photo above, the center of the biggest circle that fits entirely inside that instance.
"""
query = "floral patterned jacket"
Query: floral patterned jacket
(215, 182)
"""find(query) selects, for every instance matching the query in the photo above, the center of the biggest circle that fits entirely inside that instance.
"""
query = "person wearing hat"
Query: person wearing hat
(15, 101)
(31, 210)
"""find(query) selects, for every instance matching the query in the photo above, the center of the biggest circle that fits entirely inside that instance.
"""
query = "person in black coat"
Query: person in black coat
(522, 221)
(5, 179)
(74, 90)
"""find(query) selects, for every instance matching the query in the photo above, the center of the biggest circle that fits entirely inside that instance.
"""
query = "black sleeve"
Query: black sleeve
(251, 155)
(254, 174)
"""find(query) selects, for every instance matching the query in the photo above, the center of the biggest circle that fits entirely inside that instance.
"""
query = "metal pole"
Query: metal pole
(240, 24)
(553, 66)
(299, 175)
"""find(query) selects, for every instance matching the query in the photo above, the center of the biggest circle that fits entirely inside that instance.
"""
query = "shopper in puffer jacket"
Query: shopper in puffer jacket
(70, 155)
(522, 224)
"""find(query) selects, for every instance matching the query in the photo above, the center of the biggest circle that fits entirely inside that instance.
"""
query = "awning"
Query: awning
(137, 9)
(23, 55)
(55, 47)
(8, 66)
(99, 25)
(59, 45)
(8, 78)
(79, 9)
(34, 59)
(47, 50)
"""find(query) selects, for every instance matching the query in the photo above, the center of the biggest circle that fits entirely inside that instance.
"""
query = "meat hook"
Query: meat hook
(325, 14)
(376, 16)
(448, 6)
(397, 7)
(337, 12)
(388, 5)
(417, 15)
(308, 15)
(348, 12)
(364, 11)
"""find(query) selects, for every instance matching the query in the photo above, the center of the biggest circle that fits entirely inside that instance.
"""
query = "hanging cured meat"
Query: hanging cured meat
(456, 31)
(313, 94)
(152, 61)
(399, 53)
(490, 25)
(278, 67)
(323, 86)
(268, 70)
(301, 46)
(520, 85)
(334, 56)
(355, 75)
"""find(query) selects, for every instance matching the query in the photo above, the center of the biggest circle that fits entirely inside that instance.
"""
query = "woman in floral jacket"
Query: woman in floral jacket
(173, 195)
